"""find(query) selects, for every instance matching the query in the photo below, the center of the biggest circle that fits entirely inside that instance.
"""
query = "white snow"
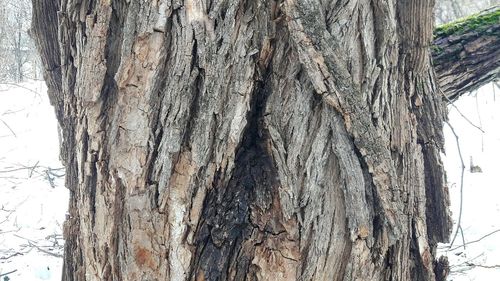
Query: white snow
(481, 191)
(32, 209)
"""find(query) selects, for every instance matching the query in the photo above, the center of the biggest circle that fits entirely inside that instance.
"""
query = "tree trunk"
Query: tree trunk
(466, 53)
(247, 140)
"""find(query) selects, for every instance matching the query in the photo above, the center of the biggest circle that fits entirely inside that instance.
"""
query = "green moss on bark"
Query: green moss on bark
(477, 23)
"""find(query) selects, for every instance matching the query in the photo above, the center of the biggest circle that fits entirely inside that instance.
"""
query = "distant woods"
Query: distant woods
(17, 52)
(450, 10)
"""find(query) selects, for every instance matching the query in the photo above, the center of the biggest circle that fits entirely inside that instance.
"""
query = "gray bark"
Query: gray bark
(466, 53)
(247, 140)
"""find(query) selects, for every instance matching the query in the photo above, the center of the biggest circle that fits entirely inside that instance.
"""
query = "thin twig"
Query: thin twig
(24, 238)
(18, 169)
(477, 240)
(461, 114)
(484, 266)
(461, 185)
(33, 243)
(467, 261)
(7, 273)
(51, 172)
(8, 127)
(33, 168)
(15, 254)
(10, 212)
(45, 251)
(480, 123)
(20, 86)
(463, 237)
(50, 179)
(9, 231)
(12, 111)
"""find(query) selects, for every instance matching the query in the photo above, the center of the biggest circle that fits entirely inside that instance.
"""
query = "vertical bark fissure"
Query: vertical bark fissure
(113, 58)
(156, 104)
(227, 213)
(118, 229)
(109, 96)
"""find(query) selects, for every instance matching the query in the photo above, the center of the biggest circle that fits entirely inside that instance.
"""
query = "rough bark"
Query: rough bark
(466, 53)
(249, 140)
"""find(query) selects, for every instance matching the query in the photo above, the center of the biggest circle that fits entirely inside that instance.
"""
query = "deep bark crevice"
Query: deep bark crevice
(119, 226)
(227, 221)
(114, 42)
(438, 220)
(418, 270)
(156, 103)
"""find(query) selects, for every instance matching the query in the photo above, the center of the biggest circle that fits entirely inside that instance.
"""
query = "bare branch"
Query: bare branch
(461, 186)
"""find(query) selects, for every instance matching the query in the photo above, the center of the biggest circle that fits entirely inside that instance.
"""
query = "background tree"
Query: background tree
(450, 10)
(260, 140)
(19, 57)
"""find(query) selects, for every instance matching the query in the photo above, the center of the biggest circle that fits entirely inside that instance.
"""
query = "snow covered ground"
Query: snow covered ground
(33, 200)
(481, 191)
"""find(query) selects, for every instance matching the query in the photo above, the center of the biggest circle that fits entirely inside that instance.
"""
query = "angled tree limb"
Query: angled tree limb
(466, 53)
